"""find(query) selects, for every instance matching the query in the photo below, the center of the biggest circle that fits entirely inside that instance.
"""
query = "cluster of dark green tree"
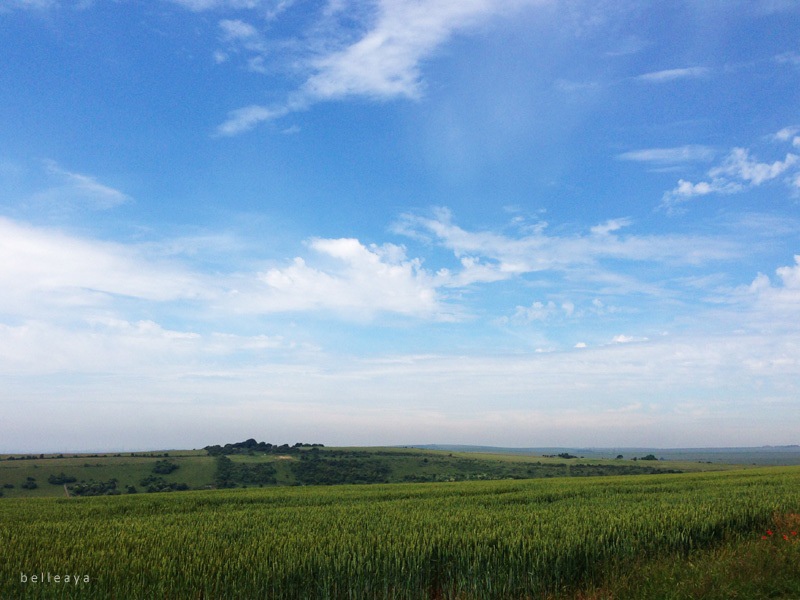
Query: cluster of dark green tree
(61, 479)
(29, 484)
(94, 488)
(466, 469)
(153, 484)
(231, 474)
(313, 469)
(251, 446)
(164, 467)
(562, 455)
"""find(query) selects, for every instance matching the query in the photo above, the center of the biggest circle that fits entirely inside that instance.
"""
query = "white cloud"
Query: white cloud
(559, 398)
(674, 74)
(777, 303)
(687, 189)
(383, 62)
(610, 226)
(787, 134)
(155, 367)
(738, 172)
(112, 345)
(790, 276)
(41, 269)
(242, 37)
(670, 156)
(542, 311)
(739, 165)
(8, 5)
(201, 5)
(538, 311)
(46, 272)
(790, 58)
(503, 256)
(626, 339)
(76, 189)
(362, 281)
(235, 29)
(244, 119)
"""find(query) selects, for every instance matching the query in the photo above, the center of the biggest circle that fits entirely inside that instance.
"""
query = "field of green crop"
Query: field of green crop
(481, 539)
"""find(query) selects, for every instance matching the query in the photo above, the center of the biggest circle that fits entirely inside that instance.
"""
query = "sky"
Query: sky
(519, 223)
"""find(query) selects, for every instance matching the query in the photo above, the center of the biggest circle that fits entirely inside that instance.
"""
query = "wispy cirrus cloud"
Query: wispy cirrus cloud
(9, 5)
(670, 156)
(43, 269)
(668, 75)
(203, 5)
(504, 256)
(383, 62)
(245, 118)
(788, 58)
(79, 190)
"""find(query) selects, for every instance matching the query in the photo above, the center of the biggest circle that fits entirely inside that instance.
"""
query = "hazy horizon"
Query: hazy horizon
(523, 223)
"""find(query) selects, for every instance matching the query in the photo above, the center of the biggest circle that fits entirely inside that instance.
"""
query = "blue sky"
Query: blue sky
(365, 222)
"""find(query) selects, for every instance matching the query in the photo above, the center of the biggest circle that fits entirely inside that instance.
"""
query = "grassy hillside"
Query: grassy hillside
(195, 469)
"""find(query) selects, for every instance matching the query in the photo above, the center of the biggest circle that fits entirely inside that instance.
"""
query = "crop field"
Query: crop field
(538, 538)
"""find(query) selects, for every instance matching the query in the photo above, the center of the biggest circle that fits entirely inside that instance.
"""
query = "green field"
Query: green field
(695, 535)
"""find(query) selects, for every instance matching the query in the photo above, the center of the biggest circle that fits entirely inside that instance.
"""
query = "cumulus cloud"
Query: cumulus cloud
(739, 165)
(788, 134)
(45, 271)
(543, 311)
(739, 171)
(779, 301)
(537, 311)
(610, 226)
(362, 280)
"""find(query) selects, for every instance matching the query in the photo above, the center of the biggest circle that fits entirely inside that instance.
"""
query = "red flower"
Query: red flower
(769, 531)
